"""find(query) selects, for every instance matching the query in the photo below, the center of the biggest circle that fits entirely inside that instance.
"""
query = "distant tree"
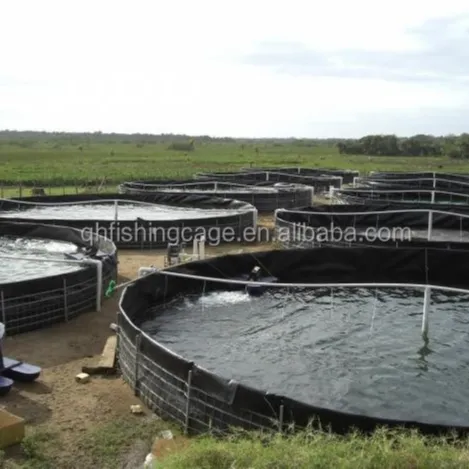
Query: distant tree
(182, 146)
(391, 145)
(463, 144)
(453, 152)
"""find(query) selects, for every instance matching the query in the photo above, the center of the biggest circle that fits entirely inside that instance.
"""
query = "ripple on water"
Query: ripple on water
(15, 270)
(357, 350)
(107, 212)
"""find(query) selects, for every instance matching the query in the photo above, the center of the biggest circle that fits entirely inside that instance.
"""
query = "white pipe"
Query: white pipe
(144, 271)
(99, 286)
(202, 247)
(426, 306)
(220, 184)
(43, 259)
(430, 225)
(404, 191)
(78, 202)
(2, 302)
(433, 197)
(313, 285)
(255, 216)
(276, 216)
(377, 212)
(341, 182)
(434, 180)
(195, 248)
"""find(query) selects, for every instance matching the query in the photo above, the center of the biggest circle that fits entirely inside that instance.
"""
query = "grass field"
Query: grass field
(104, 447)
(384, 450)
(50, 164)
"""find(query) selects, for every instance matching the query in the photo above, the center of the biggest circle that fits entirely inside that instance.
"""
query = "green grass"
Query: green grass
(48, 163)
(114, 445)
(12, 191)
(383, 450)
(105, 447)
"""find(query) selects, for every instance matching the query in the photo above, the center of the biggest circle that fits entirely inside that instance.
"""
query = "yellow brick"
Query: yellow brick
(82, 378)
(11, 429)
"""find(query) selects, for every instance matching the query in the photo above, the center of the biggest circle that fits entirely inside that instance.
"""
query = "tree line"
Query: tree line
(15, 137)
(454, 146)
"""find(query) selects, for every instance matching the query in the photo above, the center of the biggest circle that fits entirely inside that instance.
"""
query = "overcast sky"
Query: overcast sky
(245, 69)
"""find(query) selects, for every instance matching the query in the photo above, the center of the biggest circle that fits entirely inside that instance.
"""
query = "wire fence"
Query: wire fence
(20, 189)
(177, 396)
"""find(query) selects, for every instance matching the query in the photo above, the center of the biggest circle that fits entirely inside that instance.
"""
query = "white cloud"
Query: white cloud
(179, 66)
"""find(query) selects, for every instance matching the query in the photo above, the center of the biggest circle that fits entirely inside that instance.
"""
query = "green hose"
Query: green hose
(110, 289)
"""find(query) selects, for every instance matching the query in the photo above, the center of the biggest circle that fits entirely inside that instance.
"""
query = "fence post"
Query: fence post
(430, 225)
(4, 313)
(426, 306)
(280, 418)
(65, 300)
(138, 340)
(188, 403)
(116, 210)
(118, 340)
(255, 214)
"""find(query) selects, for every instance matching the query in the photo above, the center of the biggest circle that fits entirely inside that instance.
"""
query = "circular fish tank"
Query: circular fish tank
(149, 221)
(51, 274)
(352, 337)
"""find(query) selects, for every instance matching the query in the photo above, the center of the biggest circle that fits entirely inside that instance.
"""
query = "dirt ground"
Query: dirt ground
(56, 402)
